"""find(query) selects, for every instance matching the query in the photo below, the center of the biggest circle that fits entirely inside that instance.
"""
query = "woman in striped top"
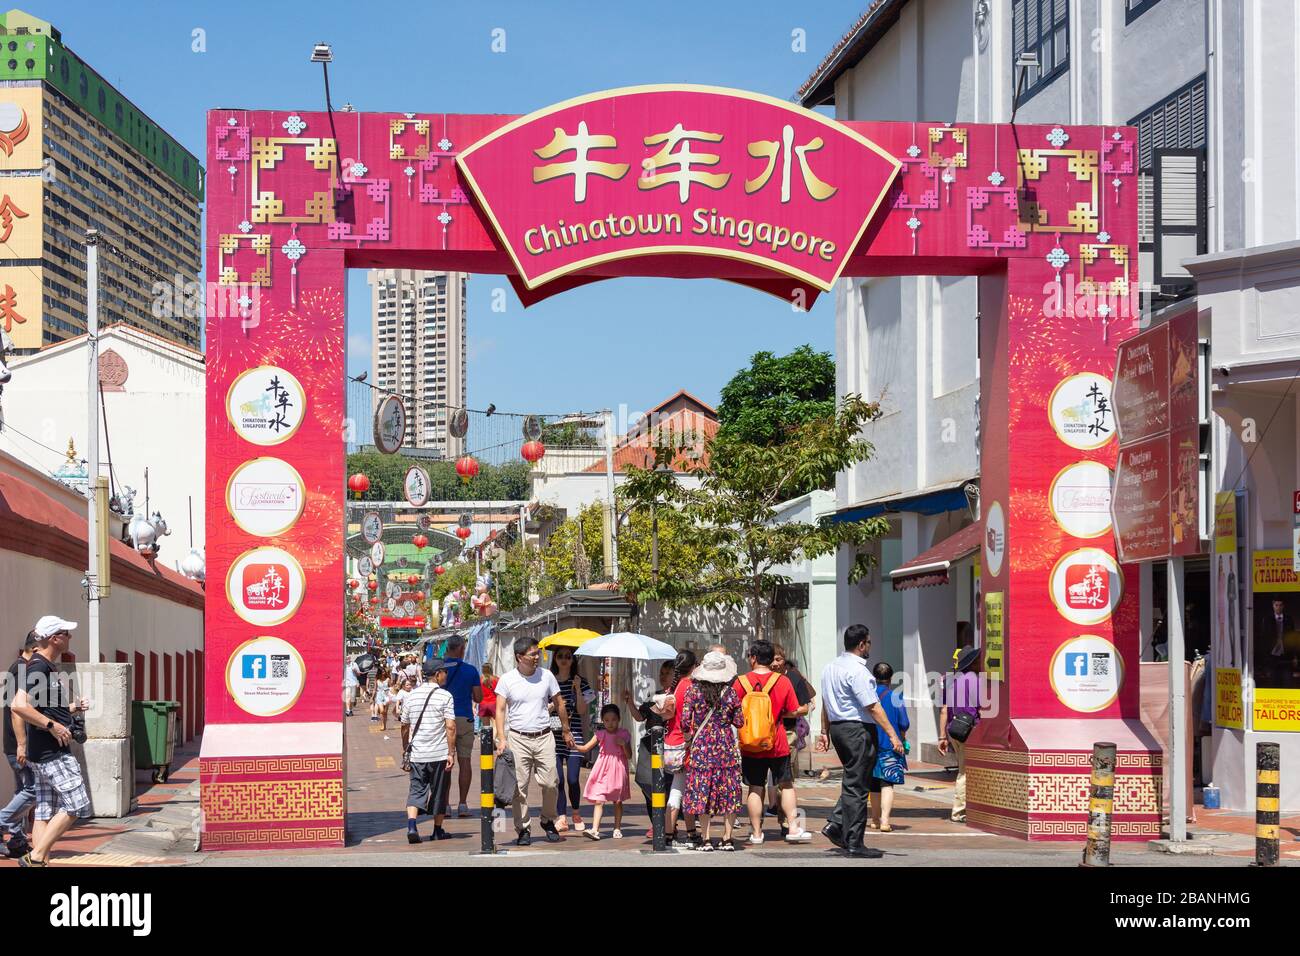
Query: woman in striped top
(575, 690)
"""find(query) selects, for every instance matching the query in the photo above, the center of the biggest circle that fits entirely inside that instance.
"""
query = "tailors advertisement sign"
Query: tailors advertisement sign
(1276, 704)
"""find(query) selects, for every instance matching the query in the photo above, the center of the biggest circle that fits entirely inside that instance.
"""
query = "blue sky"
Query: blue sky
(629, 342)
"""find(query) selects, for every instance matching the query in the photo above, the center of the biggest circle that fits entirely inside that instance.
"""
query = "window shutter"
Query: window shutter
(1179, 212)
(1146, 220)
(1017, 29)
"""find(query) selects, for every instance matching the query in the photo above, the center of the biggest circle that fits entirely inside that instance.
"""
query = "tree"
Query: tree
(730, 516)
(387, 474)
(568, 435)
(763, 403)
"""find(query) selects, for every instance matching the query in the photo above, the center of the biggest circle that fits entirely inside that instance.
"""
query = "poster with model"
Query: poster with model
(1227, 649)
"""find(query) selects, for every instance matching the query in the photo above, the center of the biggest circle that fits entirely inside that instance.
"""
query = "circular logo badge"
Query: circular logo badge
(265, 586)
(266, 405)
(265, 676)
(265, 496)
(995, 539)
(377, 554)
(1080, 499)
(365, 566)
(1087, 586)
(1080, 411)
(393, 590)
(392, 604)
(1087, 673)
(417, 486)
(424, 522)
(390, 424)
(372, 528)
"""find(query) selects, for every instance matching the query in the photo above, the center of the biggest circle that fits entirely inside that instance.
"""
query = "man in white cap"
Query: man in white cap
(47, 705)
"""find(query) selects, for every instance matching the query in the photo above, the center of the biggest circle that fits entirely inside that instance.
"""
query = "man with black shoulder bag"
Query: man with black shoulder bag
(430, 751)
(958, 717)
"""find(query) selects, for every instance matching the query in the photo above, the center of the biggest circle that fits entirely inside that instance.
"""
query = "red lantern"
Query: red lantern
(358, 484)
(532, 451)
(373, 585)
(420, 541)
(463, 533)
(467, 468)
(352, 584)
(374, 600)
(440, 570)
(413, 579)
(419, 597)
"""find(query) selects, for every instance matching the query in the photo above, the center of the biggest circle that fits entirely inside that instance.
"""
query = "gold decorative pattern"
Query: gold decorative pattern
(216, 839)
(267, 153)
(1082, 164)
(983, 820)
(228, 244)
(1038, 793)
(395, 129)
(1118, 254)
(269, 765)
(1025, 828)
(1133, 760)
(272, 801)
(958, 135)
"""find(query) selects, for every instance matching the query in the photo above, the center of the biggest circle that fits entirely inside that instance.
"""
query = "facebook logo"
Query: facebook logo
(1076, 665)
(254, 666)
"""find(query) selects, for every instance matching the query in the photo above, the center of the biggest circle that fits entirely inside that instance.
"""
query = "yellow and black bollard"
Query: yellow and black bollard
(1101, 805)
(1268, 778)
(658, 799)
(487, 800)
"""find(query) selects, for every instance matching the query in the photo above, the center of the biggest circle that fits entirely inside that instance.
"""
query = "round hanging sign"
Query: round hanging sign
(392, 604)
(392, 590)
(532, 428)
(417, 487)
(424, 522)
(459, 424)
(390, 424)
(408, 609)
(377, 553)
(401, 562)
(365, 566)
(372, 527)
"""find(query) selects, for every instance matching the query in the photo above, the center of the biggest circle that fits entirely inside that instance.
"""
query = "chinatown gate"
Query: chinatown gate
(684, 182)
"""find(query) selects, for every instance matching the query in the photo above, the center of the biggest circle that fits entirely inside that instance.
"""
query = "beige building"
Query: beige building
(77, 154)
(418, 327)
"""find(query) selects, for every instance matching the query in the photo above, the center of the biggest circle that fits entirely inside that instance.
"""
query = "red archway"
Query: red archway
(573, 194)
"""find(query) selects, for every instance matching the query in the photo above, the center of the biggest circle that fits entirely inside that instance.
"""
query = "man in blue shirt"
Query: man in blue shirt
(466, 689)
(850, 702)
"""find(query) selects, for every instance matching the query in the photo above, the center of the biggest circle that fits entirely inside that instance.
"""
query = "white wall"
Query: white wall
(156, 422)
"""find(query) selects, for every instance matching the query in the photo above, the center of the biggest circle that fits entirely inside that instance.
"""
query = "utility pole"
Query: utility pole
(1177, 701)
(93, 491)
(611, 531)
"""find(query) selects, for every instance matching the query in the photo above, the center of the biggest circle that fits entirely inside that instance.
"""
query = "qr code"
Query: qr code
(1101, 665)
(280, 666)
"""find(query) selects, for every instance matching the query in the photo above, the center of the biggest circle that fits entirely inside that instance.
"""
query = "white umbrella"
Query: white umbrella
(627, 645)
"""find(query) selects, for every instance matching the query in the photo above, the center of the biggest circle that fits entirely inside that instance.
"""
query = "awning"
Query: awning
(931, 567)
(931, 501)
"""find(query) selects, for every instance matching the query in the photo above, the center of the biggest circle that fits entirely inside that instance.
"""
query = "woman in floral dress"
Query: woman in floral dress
(711, 712)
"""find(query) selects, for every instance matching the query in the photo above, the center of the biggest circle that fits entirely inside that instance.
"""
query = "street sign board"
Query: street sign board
(1141, 389)
(1140, 502)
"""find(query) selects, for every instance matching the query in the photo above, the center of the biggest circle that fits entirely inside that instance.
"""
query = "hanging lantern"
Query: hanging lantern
(419, 597)
(358, 484)
(420, 541)
(413, 579)
(466, 467)
(373, 585)
(532, 451)
(463, 533)
(374, 600)
(440, 570)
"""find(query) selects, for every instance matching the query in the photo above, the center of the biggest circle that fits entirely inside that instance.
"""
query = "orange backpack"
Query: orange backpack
(758, 734)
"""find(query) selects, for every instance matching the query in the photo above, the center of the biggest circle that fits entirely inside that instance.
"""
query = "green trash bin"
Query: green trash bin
(153, 730)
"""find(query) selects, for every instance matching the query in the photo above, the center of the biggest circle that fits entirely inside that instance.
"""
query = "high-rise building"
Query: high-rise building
(75, 154)
(418, 325)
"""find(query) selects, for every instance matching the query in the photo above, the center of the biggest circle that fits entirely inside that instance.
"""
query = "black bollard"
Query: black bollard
(1101, 805)
(1268, 779)
(658, 798)
(487, 801)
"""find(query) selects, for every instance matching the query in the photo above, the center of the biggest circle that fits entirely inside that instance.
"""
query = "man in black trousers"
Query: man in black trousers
(849, 708)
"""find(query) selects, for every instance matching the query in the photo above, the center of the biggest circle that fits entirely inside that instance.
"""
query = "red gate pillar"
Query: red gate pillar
(1064, 610)
(271, 765)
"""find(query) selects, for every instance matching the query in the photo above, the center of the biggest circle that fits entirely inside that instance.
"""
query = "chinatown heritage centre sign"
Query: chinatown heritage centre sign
(685, 182)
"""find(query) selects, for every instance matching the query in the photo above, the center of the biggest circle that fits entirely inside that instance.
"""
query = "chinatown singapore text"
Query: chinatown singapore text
(677, 164)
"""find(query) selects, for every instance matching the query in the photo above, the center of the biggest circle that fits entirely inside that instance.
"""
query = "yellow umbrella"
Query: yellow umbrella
(570, 637)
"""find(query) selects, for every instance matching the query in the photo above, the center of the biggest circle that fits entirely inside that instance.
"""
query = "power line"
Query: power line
(477, 411)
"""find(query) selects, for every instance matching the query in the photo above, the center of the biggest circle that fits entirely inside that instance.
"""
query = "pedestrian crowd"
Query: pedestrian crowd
(731, 737)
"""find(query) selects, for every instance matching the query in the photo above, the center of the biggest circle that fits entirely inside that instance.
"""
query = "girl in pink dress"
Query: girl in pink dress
(607, 782)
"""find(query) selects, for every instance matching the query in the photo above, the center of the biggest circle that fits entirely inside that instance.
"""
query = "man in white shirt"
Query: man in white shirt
(431, 713)
(850, 704)
(523, 723)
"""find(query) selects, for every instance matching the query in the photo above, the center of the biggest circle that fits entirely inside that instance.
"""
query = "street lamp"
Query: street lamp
(322, 53)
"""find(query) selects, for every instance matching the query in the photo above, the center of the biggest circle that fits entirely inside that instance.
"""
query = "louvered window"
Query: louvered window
(1042, 27)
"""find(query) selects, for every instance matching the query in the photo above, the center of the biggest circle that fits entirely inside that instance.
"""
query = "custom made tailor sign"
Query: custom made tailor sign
(1087, 673)
(265, 586)
(417, 486)
(265, 676)
(1140, 503)
(266, 405)
(1080, 499)
(672, 170)
(1272, 571)
(994, 636)
(1228, 711)
(1227, 645)
(265, 496)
